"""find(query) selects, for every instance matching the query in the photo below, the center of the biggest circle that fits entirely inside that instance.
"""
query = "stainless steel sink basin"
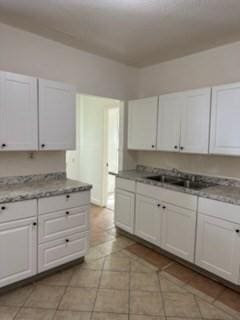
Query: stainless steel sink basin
(181, 182)
(164, 179)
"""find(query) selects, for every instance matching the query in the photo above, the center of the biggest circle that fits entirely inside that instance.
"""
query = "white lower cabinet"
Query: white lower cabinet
(178, 231)
(124, 210)
(148, 219)
(18, 250)
(218, 247)
(62, 234)
(54, 253)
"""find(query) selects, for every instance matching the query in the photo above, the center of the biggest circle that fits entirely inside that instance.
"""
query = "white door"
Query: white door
(179, 227)
(18, 112)
(148, 219)
(124, 210)
(57, 119)
(18, 247)
(195, 125)
(217, 249)
(225, 116)
(142, 123)
(169, 121)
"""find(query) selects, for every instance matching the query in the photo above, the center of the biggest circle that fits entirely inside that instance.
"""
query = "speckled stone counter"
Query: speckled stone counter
(220, 189)
(38, 186)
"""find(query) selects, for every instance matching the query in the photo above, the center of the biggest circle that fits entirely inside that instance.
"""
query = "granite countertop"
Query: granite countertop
(221, 189)
(34, 187)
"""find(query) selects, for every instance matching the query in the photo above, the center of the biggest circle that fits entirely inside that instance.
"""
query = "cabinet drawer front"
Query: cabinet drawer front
(58, 224)
(65, 201)
(125, 184)
(57, 252)
(219, 209)
(18, 210)
(180, 199)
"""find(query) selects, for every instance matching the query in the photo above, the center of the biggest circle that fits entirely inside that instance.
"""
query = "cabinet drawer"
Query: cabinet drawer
(65, 201)
(57, 252)
(58, 224)
(125, 184)
(219, 209)
(180, 199)
(18, 210)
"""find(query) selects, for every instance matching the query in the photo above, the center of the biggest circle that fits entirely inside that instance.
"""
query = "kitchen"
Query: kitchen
(175, 251)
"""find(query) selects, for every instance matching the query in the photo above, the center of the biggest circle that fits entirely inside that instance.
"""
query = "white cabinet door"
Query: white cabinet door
(179, 227)
(18, 112)
(225, 116)
(148, 219)
(218, 243)
(195, 124)
(142, 123)
(57, 104)
(18, 247)
(169, 121)
(124, 210)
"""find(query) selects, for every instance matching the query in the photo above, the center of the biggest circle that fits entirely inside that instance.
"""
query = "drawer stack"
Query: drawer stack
(63, 229)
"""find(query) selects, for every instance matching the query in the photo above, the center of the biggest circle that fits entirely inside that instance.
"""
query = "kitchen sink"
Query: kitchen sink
(165, 179)
(181, 182)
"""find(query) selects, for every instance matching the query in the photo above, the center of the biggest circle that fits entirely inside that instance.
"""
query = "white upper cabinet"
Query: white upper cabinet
(57, 104)
(18, 112)
(169, 122)
(225, 119)
(196, 121)
(142, 123)
(183, 121)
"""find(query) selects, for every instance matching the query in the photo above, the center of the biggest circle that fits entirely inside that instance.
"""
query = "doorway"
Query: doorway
(97, 147)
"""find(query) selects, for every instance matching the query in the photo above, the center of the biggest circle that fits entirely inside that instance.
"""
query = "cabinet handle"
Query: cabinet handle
(67, 240)
(43, 145)
(164, 207)
(4, 145)
(158, 205)
(34, 223)
(67, 196)
(181, 148)
(153, 146)
(175, 147)
(238, 231)
(67, 213)
(3, 208)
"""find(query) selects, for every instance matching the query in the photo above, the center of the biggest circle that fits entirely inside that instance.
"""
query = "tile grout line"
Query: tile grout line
(161, 293)
(97, 289)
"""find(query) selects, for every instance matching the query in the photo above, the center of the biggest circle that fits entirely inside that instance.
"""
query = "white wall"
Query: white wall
(27, 53)
(207, 68)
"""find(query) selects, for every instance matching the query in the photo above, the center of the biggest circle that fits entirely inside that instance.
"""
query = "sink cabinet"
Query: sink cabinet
(148, 219)
(201, 231)
(178, 231)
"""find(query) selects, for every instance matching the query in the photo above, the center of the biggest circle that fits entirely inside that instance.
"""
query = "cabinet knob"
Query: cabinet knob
(67, 196)
(42, 145)
(4, 145)
(238, 231)
(34, 223)
(67, 240)
(158, 205)
(175, 147)
(67, 213)
(164, 207)
(153, 146)
(3, 208)
(181, 148)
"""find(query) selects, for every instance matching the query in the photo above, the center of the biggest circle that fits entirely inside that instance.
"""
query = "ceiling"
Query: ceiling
(135, 32)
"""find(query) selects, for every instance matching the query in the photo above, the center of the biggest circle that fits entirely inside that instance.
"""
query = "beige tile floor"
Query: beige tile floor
(121, 280)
